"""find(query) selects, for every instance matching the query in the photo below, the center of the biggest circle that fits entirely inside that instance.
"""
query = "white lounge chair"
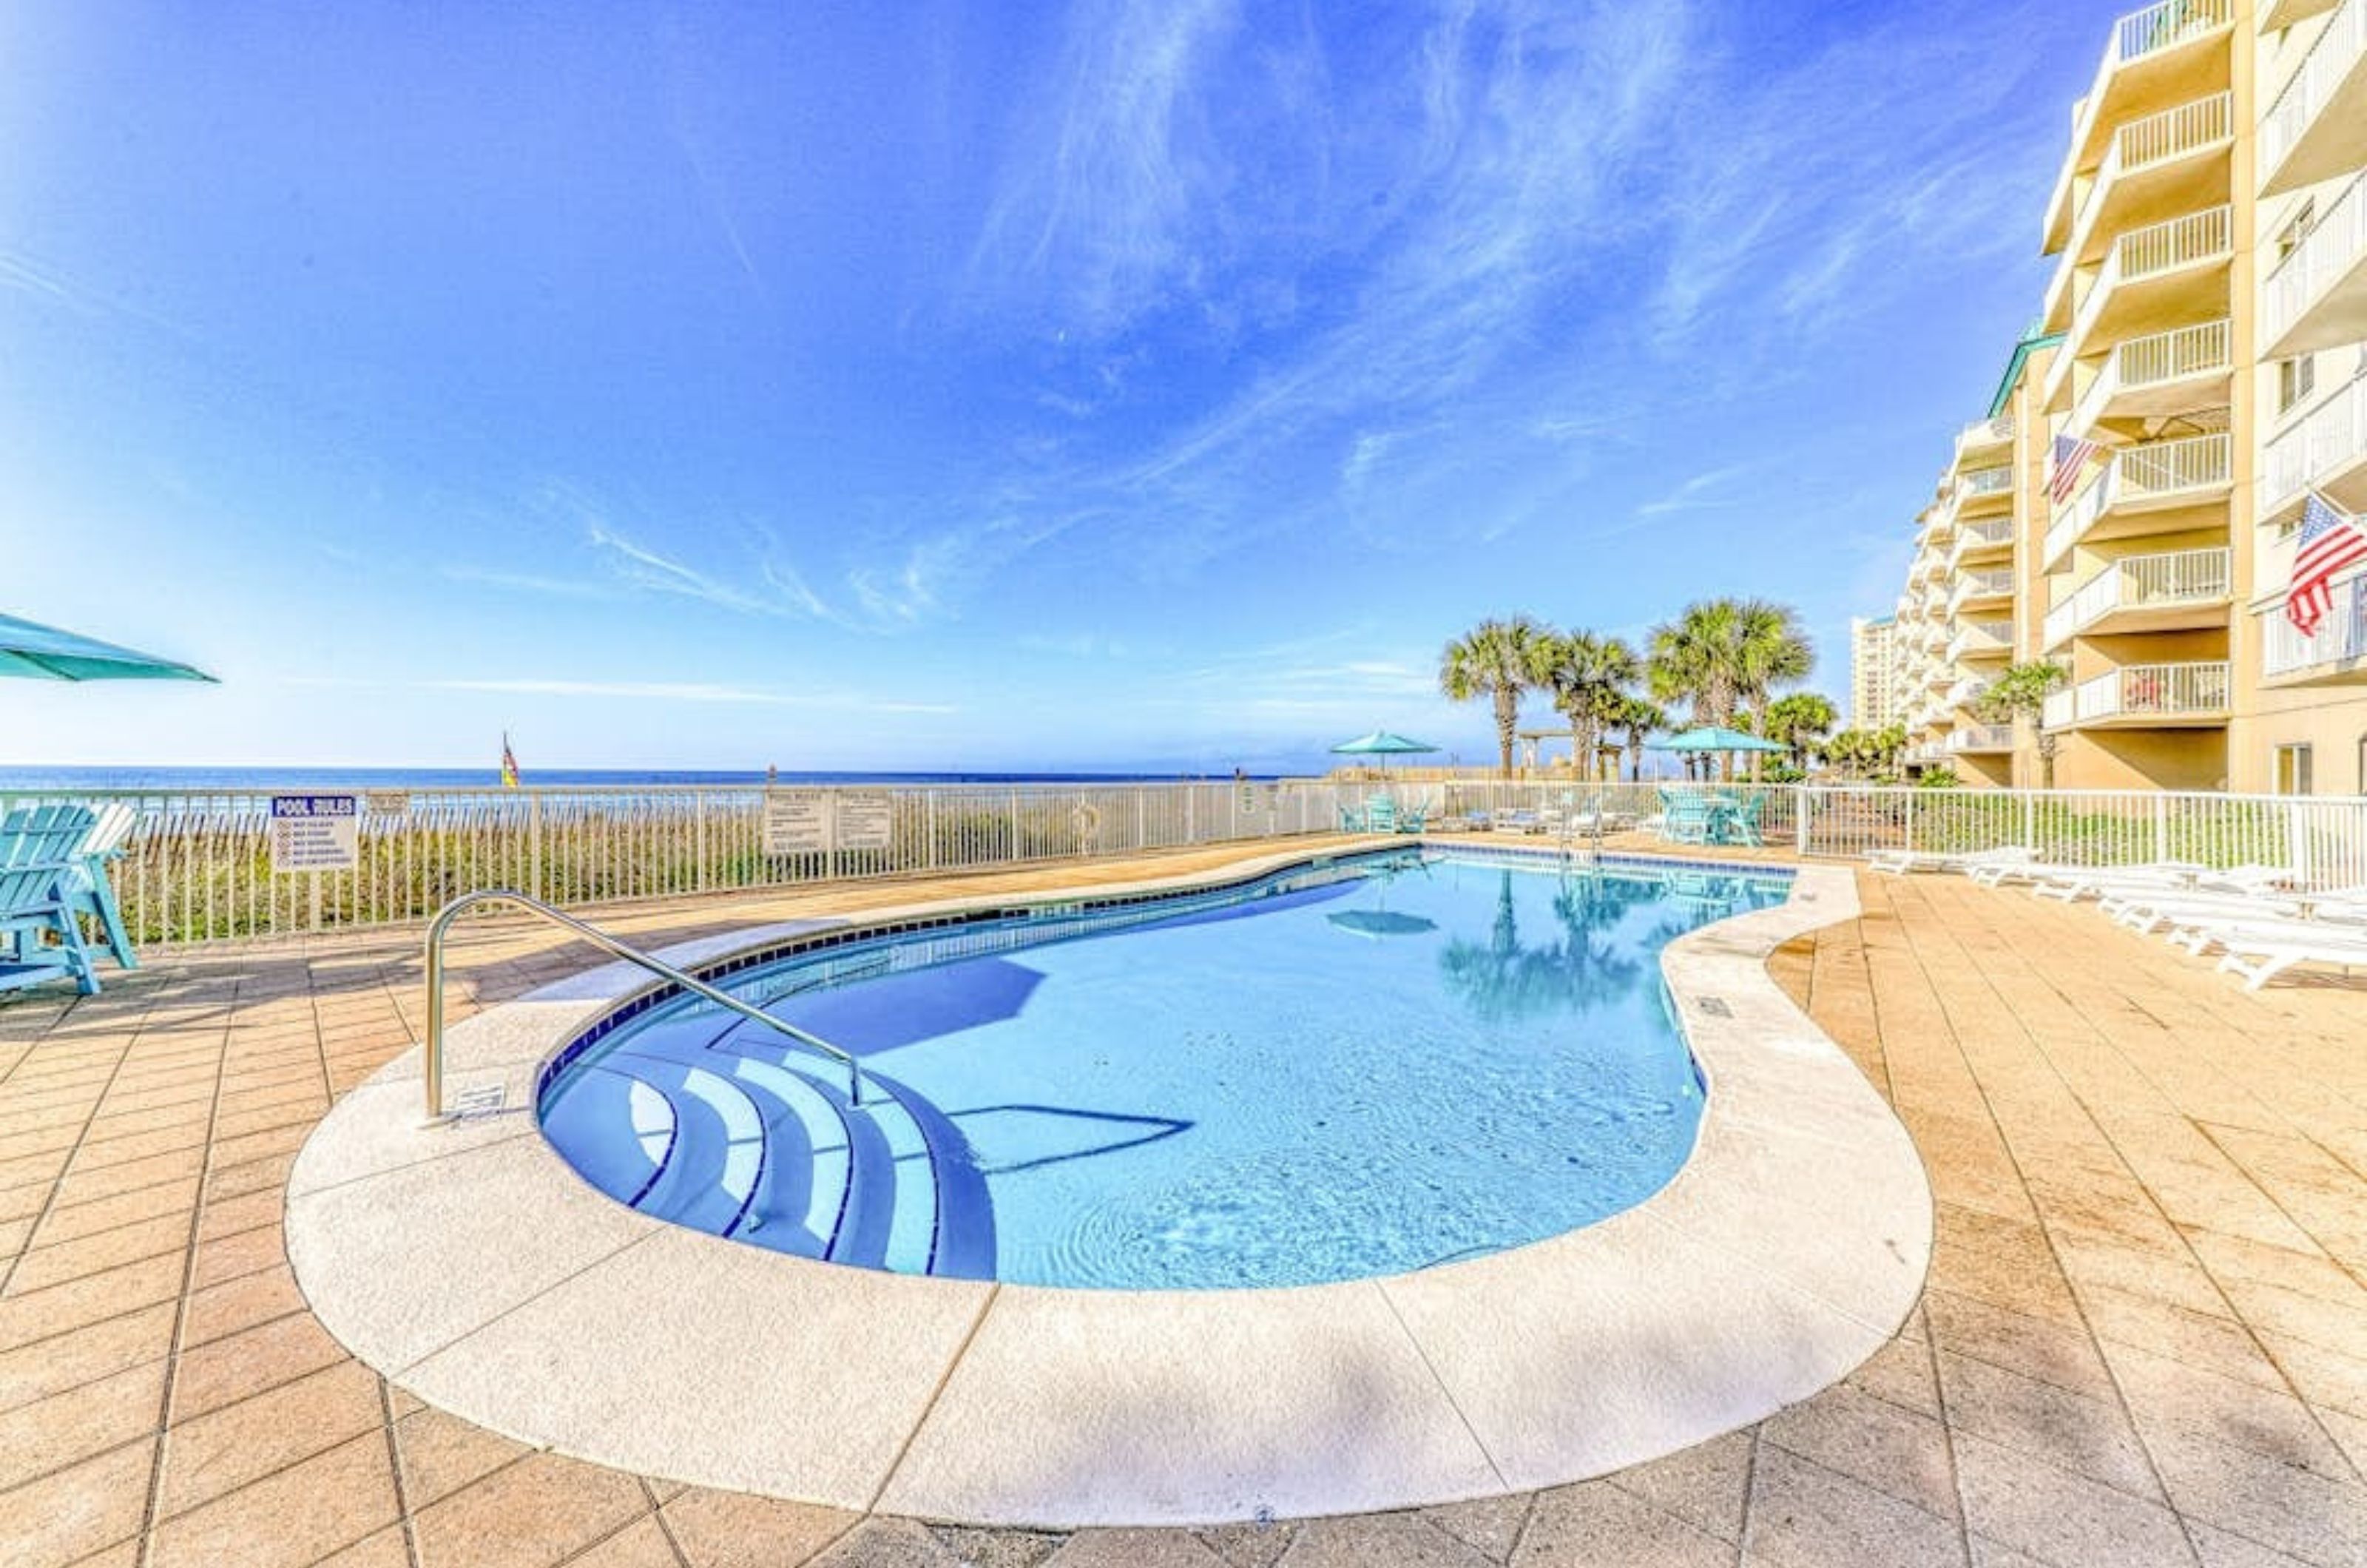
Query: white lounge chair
(2148, 912)
(1901, 862)
(2260, 955)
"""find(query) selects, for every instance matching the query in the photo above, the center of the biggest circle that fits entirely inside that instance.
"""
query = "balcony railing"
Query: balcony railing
(1981, 738)
(2341, 635)
(1982, 534)
(2157, 360)
(2330, 437)
(1980, 640)
(2166, 26)
(1988, 481)
(2152, 251)
(1985, 433)
(2157, 138)
(2141, 583)
(2334, 244)
(2142, 691)
(2153, 470)
(2305, 98)
(1972, 585)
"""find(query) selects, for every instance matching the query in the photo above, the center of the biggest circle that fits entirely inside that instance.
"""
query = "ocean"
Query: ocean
(61, 780)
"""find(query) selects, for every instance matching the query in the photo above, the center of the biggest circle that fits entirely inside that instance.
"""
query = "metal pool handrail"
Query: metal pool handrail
(432, 1051)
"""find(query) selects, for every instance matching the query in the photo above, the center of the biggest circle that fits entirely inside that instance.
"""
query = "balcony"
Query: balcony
(2159, 274)
(2311, 133)
(1976, 737)
(2338, 651)
(2166, 53)
(2325, 450)
(1981, 537)
(2172, 591)
(2149, 478)
(2316, 296)
(1979, 490)
(2163, 163)
(1984, 435)
(2145, 696)
(1982, 588)
(2171, 372)
(1980, 640)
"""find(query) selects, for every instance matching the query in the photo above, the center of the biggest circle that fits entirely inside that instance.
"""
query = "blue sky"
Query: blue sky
(930, 386)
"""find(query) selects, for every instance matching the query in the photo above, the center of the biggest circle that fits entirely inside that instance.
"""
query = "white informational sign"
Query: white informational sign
(315, 832)
(865, 822)
(386, 802)
(796, 821)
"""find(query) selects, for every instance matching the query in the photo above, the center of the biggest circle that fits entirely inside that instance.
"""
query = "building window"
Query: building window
(2293, 770)
(2290, 237)
(2296, 378)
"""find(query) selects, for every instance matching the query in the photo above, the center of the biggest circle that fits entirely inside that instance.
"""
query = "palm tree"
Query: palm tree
(1799, 721)
(1727, 654)
(1499, 659)
(2021, 692)
(1588, 676)
(1639, 717)
(1693, 659)
(1771, 652)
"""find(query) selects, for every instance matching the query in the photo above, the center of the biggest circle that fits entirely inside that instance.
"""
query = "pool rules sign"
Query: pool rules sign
(315, 832)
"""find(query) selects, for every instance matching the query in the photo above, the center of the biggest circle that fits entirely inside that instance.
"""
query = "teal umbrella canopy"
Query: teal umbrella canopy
(45, 653)
(1382, 743)
(1714, 737)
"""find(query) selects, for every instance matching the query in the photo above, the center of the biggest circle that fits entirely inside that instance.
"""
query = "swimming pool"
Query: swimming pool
(1355, 1068)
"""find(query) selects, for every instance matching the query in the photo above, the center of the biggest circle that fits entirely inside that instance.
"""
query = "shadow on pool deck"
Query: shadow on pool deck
(2144, 1340)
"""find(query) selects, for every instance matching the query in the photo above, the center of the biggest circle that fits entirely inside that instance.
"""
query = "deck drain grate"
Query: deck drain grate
(1714, 1006)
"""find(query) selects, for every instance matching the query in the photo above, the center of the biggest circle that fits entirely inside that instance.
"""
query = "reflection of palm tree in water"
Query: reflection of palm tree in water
(1582, 972)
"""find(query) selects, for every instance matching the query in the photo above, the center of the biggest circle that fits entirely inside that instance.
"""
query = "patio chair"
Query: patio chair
(2261, 954)
(88, 892)
(1686, 819)
(1972, 862)
(1413, 818)
(1380, 815)
(1743, 821)
(37, 850)
(1352, 819)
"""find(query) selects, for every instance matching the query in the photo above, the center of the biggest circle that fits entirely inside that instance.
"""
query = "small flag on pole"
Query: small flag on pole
(509, 763)
(2071, 460)
(2329, 541)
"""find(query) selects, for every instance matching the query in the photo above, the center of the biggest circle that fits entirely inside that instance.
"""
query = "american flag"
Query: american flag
(2329, 541)
(2071, 458)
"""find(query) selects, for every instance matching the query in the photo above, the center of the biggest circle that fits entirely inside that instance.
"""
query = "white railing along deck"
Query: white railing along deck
(2330, 437)
(1981, 639)
(2332, 58)
(1982, 432)
(1981, 738)
(2341, 635)
(197, 870)
(2335, 243)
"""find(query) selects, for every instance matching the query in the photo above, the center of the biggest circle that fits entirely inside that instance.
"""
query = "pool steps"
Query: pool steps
(740, 1137)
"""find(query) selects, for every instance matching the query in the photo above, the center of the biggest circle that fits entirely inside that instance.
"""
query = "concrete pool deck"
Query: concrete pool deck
(472, 1266)
(2144, 1339)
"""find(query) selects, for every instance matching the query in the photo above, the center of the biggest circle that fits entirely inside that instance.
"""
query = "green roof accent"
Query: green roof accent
(2030, 344)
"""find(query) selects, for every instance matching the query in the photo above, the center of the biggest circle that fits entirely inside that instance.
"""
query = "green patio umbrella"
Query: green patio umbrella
(1384, 744)
(45, 653)
(1716, 738)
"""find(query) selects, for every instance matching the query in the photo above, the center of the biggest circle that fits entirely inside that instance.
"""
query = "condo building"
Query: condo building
(2127, 510)
(1877, 673)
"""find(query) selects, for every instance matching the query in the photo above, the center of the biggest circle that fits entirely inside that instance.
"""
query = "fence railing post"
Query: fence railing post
(1803, 804)
(534, 847)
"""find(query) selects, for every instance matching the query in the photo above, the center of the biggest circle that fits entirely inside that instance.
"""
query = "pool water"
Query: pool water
(1351, 1070)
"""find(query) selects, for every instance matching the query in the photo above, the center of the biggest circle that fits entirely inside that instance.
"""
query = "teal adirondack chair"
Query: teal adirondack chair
(1380, 815)
(1686, 817)
(87, 889)
(1743, 824)
(38, 850)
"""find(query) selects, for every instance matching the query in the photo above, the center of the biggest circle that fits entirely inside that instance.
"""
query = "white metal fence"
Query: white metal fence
(197, 867)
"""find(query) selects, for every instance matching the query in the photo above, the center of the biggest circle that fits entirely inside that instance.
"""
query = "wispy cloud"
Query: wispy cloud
(1695, 495)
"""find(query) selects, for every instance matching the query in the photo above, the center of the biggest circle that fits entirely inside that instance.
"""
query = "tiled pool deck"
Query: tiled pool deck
(2144, 1340)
